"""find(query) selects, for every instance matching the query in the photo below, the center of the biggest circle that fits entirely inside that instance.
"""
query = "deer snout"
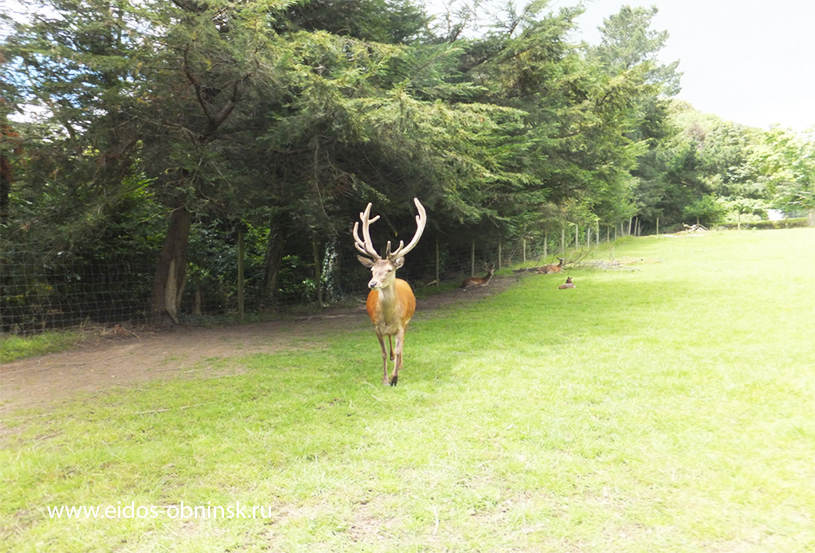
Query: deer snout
(377, 283)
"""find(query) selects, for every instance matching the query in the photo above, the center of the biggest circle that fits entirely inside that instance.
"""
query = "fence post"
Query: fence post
(524, 246)
(472, 260)
(437, 260)
(562, 240)
(657, 226)
(545, 243)
(318, 276)
(241, 251)
(499, 255)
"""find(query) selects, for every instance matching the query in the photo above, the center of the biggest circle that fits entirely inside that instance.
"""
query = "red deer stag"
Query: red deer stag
(391, 302)
(567, 284)
(473, 282)
(546, 269)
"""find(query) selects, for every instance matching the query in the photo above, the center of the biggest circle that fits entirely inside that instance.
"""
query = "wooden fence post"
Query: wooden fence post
(241, 251)
(437, 260)
(562, 240)
(545, 243)
(318, 271)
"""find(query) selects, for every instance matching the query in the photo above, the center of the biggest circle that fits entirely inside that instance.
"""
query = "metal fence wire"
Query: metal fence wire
(44, 287)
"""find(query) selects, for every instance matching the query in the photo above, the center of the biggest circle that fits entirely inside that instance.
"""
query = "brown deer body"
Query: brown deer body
(473, 282)
(391, 302)
(567, 284)
(547, 269)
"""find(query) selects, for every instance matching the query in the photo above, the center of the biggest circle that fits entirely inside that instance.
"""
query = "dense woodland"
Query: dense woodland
(148, 138)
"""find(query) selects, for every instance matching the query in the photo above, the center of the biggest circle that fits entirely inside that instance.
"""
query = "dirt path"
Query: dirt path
(184, 352)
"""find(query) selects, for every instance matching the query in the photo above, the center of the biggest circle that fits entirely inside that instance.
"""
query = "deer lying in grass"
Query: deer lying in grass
(547, 269)
(473, 282)
(567, 284)
(391, 302)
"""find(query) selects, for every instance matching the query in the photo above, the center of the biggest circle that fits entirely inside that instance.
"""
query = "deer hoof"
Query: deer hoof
(394, 380)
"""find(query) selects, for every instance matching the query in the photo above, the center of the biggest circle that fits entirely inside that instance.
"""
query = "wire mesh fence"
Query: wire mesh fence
(43, 287)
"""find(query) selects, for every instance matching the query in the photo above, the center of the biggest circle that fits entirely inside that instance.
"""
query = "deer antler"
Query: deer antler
(365, 246)
(421, 222)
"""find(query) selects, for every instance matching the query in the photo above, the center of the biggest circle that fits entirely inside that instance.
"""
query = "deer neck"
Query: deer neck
(388, 301)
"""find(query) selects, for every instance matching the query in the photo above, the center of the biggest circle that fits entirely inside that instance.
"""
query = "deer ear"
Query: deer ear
(365, 261)
(398, 262)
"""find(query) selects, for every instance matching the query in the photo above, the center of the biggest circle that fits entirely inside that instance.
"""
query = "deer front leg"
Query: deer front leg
(400, 341)
(384, 359)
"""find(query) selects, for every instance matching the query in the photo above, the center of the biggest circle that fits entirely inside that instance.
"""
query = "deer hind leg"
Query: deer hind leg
(384, 360)
(400, 341)
(390, 344)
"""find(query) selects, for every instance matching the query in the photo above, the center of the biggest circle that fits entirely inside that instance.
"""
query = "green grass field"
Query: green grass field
(666, 409)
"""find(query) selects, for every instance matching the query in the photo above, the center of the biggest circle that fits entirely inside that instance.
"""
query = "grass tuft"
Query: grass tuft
(18, 347)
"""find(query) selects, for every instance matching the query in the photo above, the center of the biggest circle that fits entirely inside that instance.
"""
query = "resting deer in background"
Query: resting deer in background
(567, 284)
(546, 269)
(472, 282)
(391, 302)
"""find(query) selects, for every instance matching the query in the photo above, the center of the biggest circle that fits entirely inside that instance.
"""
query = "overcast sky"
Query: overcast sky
(748, 61)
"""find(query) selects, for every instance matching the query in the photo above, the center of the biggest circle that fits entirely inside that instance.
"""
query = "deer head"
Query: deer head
(383, 269)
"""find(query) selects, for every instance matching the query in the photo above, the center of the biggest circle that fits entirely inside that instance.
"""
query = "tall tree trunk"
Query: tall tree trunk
(171, 269)
(5, 191)
(8, 136)
(274, 255)
(318, 269)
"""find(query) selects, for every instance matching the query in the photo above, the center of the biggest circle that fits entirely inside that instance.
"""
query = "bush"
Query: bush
(783, 223)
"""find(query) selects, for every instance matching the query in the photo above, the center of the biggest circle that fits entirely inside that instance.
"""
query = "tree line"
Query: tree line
(172, 127)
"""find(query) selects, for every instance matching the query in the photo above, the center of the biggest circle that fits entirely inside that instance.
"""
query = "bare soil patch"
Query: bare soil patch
(185, 352)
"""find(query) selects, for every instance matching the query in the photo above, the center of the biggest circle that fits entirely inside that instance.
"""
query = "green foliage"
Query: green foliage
(706, 210)
(290, 116)
(627, 41)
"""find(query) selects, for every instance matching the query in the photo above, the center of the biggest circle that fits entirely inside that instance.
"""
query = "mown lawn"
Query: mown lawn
(669, 408)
